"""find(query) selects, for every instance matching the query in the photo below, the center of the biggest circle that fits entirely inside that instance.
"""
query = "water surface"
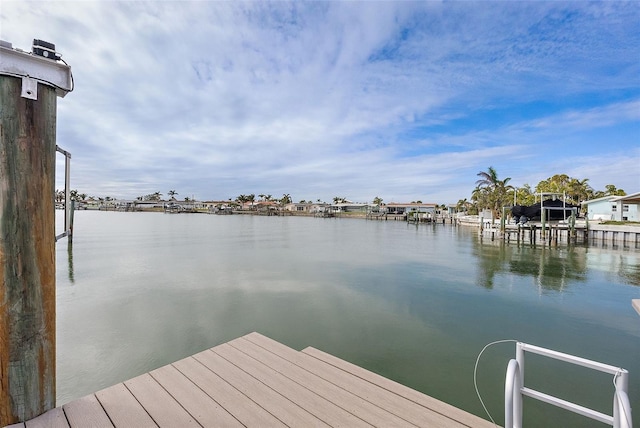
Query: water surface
(416, 304)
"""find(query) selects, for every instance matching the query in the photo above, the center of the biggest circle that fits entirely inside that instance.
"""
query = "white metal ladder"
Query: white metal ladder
(514, 389)
(68, 204)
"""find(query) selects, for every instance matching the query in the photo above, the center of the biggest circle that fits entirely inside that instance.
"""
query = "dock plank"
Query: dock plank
(326, 410)
(281, 407)
(203, 408)
(122, 407)
(160, 405)
(237, 404)
(352, 403)
(433, 404)
(53, 419)
(86, 412)
(397, 405)
(254, 381)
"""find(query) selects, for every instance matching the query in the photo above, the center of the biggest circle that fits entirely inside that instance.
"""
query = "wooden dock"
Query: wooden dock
(256, 381)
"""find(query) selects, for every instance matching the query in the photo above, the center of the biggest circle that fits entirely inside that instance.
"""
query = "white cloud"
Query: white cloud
(318, 99)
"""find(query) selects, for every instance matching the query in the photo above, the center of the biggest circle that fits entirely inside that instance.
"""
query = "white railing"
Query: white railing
(514, 390)
(68, 208)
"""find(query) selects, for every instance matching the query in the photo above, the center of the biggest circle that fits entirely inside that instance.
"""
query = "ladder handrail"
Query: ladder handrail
(68, 226)
(515, 389)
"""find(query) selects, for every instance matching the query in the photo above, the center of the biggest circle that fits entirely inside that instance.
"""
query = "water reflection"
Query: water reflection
(70, 262)
(629, 271)
(551, 268)
(399, 300)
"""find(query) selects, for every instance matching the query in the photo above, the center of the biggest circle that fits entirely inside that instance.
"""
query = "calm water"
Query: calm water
(416, 304)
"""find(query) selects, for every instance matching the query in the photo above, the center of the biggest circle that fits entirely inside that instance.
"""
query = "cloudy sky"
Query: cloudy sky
(401, 100)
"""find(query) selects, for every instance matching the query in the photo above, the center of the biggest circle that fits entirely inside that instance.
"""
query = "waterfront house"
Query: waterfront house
(267, 206)
(620, 208)
(402, 208)
(144, 205)
(298, 207)
(452, 209)
(350, 207)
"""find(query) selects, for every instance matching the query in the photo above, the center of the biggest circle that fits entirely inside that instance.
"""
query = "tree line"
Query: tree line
(494, 193)
(490, 192)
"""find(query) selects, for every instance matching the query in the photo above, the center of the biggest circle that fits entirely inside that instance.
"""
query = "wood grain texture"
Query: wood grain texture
(407, 410)
(160, 405)
(27, 252)
(285, 410)
(456, 417)
(52, 419)
(329, 412)
(343, 398)
(123, 409)
(86, 412)
(225, 394)
(203, 408)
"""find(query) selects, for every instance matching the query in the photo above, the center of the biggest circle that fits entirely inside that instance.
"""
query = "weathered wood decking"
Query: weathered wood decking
(256, 381)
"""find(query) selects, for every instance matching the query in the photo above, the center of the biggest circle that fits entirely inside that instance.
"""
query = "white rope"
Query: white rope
(475, 371)
(626, 411)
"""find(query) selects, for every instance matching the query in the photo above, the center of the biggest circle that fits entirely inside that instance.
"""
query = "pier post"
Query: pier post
(572, 237)
(29, 85)
(533, 234)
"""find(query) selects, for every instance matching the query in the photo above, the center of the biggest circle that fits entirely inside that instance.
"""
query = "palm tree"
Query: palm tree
(488, 178)
(462, 205)
(579, 190)
(171, 193)
(286, 199)
(60, 195)
(611, 190)
(241, 199)
(377, 200)
(494, 191)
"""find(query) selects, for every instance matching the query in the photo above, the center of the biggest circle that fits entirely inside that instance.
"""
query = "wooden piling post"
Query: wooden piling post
(533, 234)
(27, 234)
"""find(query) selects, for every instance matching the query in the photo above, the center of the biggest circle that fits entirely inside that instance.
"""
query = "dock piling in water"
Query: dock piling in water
(28, 88)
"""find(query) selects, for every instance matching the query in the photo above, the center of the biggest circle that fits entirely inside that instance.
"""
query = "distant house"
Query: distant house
(350, 207)
(266, 206)
(402, 208)
(620, 208)
(298, 207)
(142, 205)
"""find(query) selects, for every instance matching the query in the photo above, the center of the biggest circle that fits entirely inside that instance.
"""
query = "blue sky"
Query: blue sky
(401, 100)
